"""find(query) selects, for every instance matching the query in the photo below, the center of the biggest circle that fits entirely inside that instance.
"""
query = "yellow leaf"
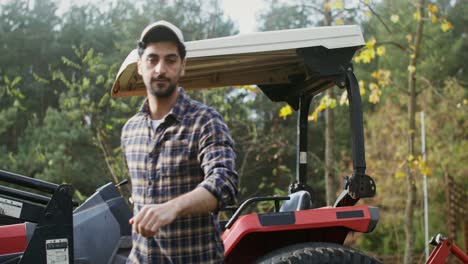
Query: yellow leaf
(417, 16)
(433, 8)
(381, 50)
(373, 86)
(375, 93)
(313, 116)
(386, 74)
(410, 158)
(344, 98)
(285, 111)
(326, 6)
(322, 106)
(434, 19)
(357, 59)
(426, 170)
(338, 5)
(362, 91)
(420, 160)
(331, 103)
(412, 56)
(361, 84)
(395, 18)
(400, 174)
(411, 68)
(339, 21)
(370, 44)
(424, 167)
(382, 76)
(383, 82)
(465, 102)
(445, 25)
(367, 55)
(366, 2)
(374, 98)
(368, 13)
(362, 88)
(409, 37)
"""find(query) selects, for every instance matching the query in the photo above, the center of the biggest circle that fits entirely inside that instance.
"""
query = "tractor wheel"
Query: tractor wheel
(315, 252)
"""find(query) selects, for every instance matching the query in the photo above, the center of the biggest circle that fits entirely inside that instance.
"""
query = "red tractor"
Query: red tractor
(290, 66)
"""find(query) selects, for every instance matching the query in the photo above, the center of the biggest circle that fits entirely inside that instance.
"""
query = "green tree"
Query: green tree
(26, 37)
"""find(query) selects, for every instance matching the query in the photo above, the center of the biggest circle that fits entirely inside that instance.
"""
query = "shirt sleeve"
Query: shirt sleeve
(217, 159)
(124, 155)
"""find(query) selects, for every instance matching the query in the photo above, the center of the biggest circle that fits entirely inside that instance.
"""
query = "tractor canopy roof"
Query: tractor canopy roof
(273, 60)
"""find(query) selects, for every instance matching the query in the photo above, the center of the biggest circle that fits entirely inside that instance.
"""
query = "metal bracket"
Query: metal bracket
(361, 186)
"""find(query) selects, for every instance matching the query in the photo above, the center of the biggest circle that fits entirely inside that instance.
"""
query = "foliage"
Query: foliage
(436, 58)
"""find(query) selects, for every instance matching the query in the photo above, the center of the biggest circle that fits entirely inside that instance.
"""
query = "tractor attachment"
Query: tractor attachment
(40, 229)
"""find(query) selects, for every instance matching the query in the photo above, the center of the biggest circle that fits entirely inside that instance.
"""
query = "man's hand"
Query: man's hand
(152, 217)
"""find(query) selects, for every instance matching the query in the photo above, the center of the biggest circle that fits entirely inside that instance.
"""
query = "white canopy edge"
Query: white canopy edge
(331, 37)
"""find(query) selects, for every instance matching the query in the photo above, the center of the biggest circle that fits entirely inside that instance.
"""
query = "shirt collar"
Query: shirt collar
(176, 112)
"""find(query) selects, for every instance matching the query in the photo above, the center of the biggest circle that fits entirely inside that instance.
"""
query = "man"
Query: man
(180, 158)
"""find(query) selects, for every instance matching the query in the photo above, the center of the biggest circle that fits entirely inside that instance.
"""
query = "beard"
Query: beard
(161, 90)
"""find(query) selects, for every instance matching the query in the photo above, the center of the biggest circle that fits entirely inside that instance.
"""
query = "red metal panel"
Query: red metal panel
(306, 220)
(440, 254)
(13, 239)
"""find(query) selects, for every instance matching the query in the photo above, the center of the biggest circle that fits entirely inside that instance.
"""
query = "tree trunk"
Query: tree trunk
(410, 179)
(330, 185)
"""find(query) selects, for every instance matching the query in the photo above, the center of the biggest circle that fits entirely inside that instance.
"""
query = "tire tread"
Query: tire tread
(317, 252)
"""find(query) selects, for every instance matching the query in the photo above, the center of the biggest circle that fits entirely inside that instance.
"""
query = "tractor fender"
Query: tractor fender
(254, 235)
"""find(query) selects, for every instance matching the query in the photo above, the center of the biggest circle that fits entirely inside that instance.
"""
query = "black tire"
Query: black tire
(316, 252)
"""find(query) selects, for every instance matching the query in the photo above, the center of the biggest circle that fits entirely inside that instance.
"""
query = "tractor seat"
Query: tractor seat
(300, 200)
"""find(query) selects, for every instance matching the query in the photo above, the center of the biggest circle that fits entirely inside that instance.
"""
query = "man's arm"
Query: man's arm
(217, 160)
(154, 216)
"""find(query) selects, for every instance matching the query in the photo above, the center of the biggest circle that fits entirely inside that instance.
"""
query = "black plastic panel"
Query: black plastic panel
(350, 214)
(274, 219)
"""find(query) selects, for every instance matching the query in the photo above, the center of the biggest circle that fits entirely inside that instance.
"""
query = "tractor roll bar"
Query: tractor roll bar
(357, 129)
(325, 69)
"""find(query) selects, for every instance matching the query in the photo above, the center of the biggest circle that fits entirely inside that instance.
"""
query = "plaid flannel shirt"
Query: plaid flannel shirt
(191, 148)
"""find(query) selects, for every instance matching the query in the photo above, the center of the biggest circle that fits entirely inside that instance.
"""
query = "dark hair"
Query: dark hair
(161, 34)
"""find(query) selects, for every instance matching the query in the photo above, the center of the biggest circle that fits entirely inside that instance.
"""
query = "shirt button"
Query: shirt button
(150, 183)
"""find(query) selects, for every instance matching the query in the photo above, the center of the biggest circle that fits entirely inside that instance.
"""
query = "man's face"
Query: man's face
(161, 68)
